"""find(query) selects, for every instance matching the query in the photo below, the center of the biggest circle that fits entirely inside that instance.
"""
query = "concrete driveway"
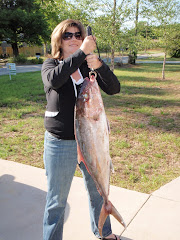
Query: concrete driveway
(22, 199)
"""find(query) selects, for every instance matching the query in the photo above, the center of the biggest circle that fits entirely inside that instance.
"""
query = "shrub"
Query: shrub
(174, 53)
(37, 61)
(19, 59)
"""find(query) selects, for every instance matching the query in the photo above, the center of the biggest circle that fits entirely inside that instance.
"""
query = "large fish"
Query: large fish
(92, 135)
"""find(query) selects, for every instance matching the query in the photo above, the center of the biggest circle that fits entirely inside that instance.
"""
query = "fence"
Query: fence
(27, 51)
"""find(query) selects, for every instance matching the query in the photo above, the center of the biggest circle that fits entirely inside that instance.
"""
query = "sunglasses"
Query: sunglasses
(69, 36)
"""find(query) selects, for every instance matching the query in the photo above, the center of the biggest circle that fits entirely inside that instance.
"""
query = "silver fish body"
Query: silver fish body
(92, 135)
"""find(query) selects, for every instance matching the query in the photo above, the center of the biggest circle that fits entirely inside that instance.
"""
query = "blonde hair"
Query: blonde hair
(56, 36)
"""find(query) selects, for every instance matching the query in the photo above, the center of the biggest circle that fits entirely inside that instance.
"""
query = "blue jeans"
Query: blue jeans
(60, 160)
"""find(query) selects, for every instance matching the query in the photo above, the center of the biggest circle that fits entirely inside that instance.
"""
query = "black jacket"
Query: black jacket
(60, 94)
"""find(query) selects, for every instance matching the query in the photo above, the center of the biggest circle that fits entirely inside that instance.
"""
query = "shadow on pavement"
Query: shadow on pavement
(21, 210)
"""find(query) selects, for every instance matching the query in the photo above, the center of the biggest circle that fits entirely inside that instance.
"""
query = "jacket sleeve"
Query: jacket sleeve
(54, 76)
(107, 80)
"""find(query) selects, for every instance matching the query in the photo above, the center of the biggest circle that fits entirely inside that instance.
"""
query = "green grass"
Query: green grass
(151, 51)
(168, 58)
(22, 104)
(144, 120)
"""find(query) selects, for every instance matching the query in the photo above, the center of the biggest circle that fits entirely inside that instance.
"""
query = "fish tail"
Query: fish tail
(108, 208)
(117, 215)
(102, 218)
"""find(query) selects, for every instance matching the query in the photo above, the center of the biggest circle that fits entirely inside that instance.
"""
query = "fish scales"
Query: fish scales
(92, 135)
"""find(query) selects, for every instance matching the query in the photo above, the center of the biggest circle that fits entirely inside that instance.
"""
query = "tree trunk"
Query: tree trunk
(15, 49)
(112, 59)
(146, 40)
(107, 56)
(45, 49)
(132, 59)
(137, 15)
(163, 69)
(113, 33)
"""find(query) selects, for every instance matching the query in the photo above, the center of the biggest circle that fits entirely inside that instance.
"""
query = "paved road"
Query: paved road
(33, 68)
(22, 68)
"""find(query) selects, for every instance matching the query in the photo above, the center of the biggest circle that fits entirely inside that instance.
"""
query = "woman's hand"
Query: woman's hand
(93, 61)
(88, 45)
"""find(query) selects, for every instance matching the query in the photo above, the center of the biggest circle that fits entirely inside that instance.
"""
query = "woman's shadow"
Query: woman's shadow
(21, 210)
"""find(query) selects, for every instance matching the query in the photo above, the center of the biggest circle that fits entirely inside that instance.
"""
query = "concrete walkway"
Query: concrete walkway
(22, 200)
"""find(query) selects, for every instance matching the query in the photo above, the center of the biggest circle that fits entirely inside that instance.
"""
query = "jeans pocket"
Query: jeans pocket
(50, 137)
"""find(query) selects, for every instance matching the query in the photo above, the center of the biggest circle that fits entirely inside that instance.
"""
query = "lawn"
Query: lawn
(144, 120)
(150, 58)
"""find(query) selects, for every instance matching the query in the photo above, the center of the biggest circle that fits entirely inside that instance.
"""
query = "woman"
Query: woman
(63, 75)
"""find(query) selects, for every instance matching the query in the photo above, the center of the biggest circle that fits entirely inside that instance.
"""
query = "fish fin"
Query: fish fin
(111, 166)
(80, 156)
(102, 218)
(107, 209)
(117, 215)
(108, 126)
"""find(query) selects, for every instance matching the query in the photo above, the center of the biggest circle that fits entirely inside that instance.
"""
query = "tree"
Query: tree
(145, 35)
(85, 10)
(108, 24)
(163, 14)
(22, 21)
(174, 44)
(57, 11)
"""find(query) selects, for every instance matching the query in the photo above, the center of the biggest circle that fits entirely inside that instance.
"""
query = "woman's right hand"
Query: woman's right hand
(88, 45)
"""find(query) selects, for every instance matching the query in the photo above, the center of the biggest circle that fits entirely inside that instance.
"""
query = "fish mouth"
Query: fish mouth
(92, 76)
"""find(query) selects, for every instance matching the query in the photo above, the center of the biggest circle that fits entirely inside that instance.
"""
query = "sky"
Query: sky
(128, 24)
